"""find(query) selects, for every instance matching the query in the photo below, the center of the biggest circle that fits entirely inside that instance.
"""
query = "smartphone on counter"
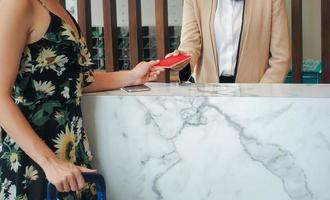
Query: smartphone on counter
(136, 88)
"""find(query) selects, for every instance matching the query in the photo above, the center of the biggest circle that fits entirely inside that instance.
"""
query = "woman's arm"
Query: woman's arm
(280, 50)
(141, 74)
(13, 38)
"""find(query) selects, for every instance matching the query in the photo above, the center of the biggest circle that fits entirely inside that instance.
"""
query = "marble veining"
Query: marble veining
(278, 161)
(275, 159)
(211, 147)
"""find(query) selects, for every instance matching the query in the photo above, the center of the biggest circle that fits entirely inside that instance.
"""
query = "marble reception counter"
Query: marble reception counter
(212, 142)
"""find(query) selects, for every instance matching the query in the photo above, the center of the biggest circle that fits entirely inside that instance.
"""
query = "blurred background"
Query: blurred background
(305, 15)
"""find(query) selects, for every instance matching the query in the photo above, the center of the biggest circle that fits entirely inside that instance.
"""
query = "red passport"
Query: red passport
(173, 61)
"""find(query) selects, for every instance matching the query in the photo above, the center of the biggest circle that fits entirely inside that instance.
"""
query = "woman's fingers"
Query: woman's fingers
(143, 68)
(155, 73)
(152, 78)
(153, 62)
(80, 179)
(153, 69)
(149, 64)
(59, 187)
(66, 176)
(66, 186)
(86, 170)
(145, 71)
(73, 182)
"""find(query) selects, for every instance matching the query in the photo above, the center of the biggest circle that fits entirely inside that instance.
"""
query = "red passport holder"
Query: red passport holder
(173, 61)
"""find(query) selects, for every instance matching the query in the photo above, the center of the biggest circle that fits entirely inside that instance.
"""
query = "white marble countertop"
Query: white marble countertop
(228, 90)
(258, 142)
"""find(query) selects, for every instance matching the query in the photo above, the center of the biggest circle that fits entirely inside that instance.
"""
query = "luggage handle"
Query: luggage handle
(89, 177)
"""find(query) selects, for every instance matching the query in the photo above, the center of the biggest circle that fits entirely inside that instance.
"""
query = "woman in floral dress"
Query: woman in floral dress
(44, 69)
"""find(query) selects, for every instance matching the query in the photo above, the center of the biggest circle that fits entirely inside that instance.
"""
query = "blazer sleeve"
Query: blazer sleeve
(190, 33)
(280, 46)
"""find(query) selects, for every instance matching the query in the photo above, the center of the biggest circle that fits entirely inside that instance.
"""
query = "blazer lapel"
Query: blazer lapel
(245, 32)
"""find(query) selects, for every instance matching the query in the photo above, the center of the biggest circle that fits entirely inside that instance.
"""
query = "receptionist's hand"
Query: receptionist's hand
(180, 66)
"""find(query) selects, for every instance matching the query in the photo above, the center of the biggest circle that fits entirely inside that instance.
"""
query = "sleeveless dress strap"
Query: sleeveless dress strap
(43, 4)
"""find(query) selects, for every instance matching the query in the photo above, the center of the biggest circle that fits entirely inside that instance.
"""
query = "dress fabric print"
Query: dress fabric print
(48, 90)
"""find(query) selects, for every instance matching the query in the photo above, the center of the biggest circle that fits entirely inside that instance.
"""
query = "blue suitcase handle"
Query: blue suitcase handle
(89, 177)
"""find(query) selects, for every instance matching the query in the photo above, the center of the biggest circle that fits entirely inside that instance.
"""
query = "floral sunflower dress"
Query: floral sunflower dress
(48, 90)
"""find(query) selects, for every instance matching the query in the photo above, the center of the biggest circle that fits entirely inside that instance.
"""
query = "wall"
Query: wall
(311, 28)
(148, 12)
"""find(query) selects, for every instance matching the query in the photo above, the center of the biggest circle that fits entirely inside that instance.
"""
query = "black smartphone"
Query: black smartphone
(136, 88)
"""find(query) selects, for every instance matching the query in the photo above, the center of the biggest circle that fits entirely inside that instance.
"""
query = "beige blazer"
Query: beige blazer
(264, 54)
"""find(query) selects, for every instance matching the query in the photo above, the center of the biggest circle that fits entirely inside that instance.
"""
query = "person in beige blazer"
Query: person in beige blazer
(263, 44)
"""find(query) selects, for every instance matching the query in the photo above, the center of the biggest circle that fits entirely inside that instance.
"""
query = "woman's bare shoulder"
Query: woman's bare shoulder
(16, 13)
(16, 7)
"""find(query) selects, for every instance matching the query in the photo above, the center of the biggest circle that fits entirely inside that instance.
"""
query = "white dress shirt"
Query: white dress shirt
(227, 27)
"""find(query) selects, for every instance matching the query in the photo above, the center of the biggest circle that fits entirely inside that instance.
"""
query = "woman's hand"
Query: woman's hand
(142, 73)
(65, 176)
(145, 72)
